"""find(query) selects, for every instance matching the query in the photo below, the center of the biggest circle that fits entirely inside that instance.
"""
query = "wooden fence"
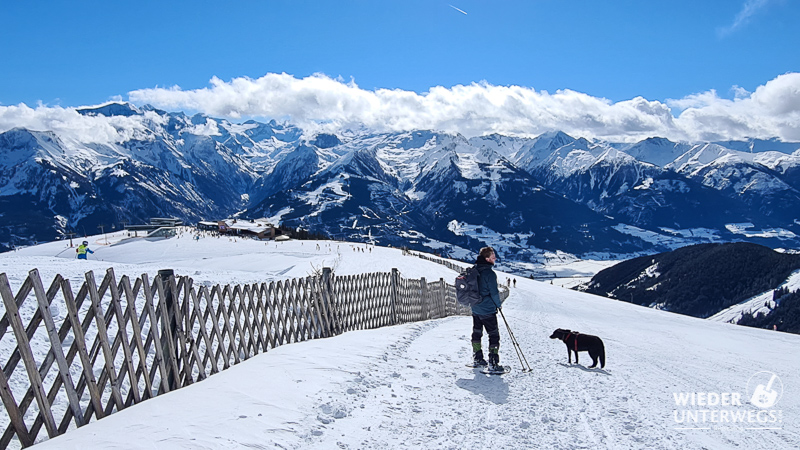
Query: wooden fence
(458, 268)
(113, 345)
(445, 262)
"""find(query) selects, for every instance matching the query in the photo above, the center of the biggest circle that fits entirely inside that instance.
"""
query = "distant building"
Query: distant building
(208, 226)
(163, 232)
(155, 224)
(260, 229)
(166, 221)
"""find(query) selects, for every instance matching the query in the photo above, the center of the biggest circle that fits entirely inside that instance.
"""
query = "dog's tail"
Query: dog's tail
(602, 355)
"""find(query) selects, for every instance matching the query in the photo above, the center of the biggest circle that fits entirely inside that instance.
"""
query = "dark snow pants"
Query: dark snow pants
(490, 323)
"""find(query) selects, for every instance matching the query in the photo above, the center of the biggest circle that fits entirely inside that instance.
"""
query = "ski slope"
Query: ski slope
(407, 386)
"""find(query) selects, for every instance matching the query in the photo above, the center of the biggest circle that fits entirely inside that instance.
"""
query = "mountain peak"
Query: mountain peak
(19, 137)
(417, 139)
(110, 109)
(555, 139)
(325, 140)
(659, 141)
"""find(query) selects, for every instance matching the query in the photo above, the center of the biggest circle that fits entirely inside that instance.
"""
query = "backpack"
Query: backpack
(467, 291)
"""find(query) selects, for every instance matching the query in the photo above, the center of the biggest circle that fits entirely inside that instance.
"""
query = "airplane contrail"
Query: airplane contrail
(459, 10)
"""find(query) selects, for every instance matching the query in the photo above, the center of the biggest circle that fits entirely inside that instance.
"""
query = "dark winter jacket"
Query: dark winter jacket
(487, 285)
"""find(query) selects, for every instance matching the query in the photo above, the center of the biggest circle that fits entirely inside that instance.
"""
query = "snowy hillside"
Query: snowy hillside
(407, 386)
(762, 303)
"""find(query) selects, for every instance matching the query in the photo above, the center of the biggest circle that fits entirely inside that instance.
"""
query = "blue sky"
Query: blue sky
(68, 54)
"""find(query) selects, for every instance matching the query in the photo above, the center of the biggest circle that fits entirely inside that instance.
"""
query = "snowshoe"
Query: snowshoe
(496, 370)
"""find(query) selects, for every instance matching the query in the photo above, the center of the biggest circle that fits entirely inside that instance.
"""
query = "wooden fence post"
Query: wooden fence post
(328, 298)
(168, 342)
(442, 300)
(322, 318)
(169, 328)
(425, 311)
(163, 359)
(394, 294)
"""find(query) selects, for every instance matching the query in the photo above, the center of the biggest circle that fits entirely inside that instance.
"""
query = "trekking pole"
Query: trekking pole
(516, 345)
(519, 349)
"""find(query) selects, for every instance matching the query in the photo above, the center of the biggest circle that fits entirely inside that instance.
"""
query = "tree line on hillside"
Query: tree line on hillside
(698, 280)
(785, 316)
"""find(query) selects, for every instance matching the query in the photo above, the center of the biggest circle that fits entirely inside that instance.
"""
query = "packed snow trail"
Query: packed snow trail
(407, 387)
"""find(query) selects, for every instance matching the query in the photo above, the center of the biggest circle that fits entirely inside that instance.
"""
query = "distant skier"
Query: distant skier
(83, 249)
(484, 314)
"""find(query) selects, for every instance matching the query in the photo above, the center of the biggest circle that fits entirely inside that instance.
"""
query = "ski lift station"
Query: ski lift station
(158, 228)
(259, 228)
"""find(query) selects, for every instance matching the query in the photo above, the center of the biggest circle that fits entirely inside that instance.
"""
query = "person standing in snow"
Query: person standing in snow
(484, 313)
(82, 250)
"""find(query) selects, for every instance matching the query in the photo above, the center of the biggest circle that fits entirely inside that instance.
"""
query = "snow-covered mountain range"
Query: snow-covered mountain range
(529, 197)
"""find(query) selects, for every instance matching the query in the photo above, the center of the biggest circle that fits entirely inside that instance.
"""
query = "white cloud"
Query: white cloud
(480, 108)
(739, 92)
(209, 128)
(750, 8)
(320, 102)
(473, 109)
(773, 110)
(71, 126)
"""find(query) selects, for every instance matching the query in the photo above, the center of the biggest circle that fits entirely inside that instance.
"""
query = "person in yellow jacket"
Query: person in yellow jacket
(83, 249)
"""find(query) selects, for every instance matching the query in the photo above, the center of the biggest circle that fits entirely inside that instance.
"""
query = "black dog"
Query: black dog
(577, 342)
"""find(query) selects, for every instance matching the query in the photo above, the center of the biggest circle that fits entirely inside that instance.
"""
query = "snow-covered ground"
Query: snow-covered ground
(211, 259)
(407, 386)
(573, 273)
